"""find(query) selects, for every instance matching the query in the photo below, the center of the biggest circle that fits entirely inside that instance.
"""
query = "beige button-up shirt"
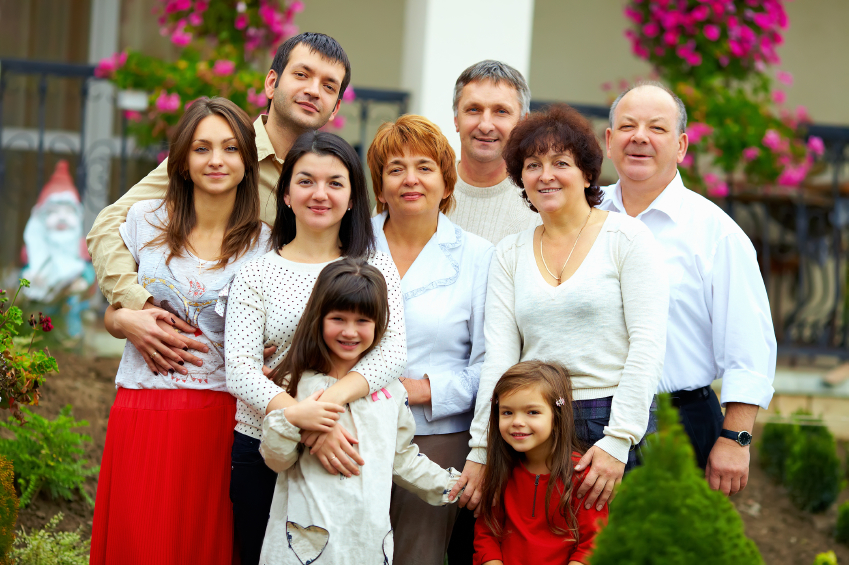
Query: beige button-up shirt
(113, 263)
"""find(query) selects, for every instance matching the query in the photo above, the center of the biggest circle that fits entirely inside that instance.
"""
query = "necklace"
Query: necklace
(570, 252)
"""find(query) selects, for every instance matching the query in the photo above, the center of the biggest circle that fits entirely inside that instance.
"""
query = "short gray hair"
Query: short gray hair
(496, 71)
(682, 110)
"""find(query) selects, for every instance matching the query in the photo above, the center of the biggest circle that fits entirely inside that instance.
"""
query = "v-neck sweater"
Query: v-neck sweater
(606, 324)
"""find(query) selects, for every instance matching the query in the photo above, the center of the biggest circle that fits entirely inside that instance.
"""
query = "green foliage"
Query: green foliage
(46, 454)
(842, 532)
(49, 547)
(776, 441)
(666, 513)
(21, 372)
(8, 509)
(828, 558)
(812, 471)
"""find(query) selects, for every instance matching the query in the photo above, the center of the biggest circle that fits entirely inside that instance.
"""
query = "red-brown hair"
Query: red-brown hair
(554, 383)
(244, 226)
(415, 135)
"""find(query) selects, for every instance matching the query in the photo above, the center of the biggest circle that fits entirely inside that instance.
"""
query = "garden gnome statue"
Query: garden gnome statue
(54, 251)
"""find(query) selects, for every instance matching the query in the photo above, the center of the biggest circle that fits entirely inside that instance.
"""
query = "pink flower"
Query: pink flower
(697, 130)
(257, 98)
(763, 20)
(723, 60)
(132, 115)
(349, 95)
(223, 67)
(711, 178)
(687, 161)
(195, 19)
(180, 5)
(161, 156)
(700, 13)
(751, 153)
(339, 122)
(181, 37)
(779, 96)
(106, 67)
(605, 86)
(802, 114)
(736, 48)
(816, 145)
(670, 37)
(651, 29)
(297, 7)
(784, 77)
(712, 32)
(793, 176)
(772, 139)
(241, 21)
(47, 325)
(718, 190)
(633, 15)
(167, 103)
(201, 5)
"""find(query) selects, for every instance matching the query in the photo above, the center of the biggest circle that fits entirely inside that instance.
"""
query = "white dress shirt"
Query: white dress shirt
(720, 324)
(444, 294)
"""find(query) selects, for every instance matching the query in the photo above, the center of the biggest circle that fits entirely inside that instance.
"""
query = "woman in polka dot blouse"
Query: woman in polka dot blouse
(322, 215)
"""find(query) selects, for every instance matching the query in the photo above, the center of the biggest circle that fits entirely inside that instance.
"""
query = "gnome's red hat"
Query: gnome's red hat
(60, 182)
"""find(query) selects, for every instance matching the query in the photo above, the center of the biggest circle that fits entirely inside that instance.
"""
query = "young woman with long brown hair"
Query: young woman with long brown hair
(163, 492)
(529, 504)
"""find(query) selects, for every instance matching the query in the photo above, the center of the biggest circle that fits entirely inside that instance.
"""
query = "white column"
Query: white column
(103, 42)
(443, 37)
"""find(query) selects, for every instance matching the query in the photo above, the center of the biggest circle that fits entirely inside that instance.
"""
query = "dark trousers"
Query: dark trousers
(591, 416)
(461, 549)
(251, 490)
(702, 418)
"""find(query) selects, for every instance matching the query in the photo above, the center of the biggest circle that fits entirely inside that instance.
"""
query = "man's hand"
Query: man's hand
(728, 466)
(335, 450)
(312, 414)
(605, 473)
(418, 390)
(471, 479)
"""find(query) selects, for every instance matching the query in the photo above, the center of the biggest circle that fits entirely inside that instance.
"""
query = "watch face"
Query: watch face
(745, 438)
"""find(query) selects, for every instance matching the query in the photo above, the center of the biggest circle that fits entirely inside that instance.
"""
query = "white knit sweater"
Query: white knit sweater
(492, 212)
(606, 324)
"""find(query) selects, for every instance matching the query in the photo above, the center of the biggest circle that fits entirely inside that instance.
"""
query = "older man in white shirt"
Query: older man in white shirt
(719, 318)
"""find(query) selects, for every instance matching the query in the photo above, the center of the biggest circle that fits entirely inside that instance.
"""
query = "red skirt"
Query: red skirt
(163, 496)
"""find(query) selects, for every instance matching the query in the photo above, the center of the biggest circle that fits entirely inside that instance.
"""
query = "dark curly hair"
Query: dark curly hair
(558, 128)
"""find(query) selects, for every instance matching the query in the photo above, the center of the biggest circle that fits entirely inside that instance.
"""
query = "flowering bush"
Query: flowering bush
(21, 372)
(224, 44)
(715, 55)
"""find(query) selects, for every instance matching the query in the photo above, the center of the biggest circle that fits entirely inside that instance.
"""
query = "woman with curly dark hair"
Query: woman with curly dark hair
(586, 289)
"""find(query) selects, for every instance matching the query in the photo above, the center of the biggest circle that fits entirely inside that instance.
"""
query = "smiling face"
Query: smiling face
(553, 181)
(486, 114)
(215, 164)
(319, 192)
(347, 335)
(525, 420)
(306, 94)
(644, 143)
(412, 185)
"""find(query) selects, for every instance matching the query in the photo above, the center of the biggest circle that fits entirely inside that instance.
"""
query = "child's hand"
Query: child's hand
(335, 450)
(314, 415)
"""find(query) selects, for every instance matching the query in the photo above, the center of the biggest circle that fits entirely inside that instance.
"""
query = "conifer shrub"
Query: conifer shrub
(49, 547)
(812, 471)
(8, 509)
(776, 440)
(842, 532)
(665, 512)
(828, 558)
(47, 454)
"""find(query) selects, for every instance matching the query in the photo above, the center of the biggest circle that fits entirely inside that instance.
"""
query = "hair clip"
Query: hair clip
(560, 401)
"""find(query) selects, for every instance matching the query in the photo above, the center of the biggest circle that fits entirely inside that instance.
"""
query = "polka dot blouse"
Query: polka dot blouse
(264, 305)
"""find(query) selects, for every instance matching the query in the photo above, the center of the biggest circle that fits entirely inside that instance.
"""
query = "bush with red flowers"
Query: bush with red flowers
(716, 55)
(22, 369)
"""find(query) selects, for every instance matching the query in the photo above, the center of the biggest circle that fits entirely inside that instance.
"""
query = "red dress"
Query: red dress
(525, 534)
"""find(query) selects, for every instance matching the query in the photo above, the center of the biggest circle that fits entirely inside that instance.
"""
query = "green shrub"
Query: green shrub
(46, 454)
(828, 558)
(8, 509)
(666, 513)
(775, 443)
(842, 533)
(49, 547)
(812, 472)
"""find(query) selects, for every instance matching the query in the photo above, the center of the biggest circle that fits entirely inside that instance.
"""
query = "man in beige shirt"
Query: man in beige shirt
(304, 87)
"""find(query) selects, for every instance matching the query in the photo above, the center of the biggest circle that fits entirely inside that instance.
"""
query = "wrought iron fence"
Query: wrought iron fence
(45, 110)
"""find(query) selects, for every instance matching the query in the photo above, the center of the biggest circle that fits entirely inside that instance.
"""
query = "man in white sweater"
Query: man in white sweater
(719, 322)
(489, 100)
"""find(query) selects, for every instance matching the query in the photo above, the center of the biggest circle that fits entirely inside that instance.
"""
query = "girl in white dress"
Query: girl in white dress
(321, 518)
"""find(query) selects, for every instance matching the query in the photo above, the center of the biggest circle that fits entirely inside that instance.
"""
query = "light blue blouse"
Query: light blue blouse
(444, 296)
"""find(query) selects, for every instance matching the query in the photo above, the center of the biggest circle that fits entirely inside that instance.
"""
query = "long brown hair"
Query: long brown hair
(554, 383)
(244, 226)
(346, 285)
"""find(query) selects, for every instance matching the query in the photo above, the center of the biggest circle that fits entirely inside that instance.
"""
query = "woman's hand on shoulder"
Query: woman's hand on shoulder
(152, 332)
(311, 414)
(604, 474)
(335, 450)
